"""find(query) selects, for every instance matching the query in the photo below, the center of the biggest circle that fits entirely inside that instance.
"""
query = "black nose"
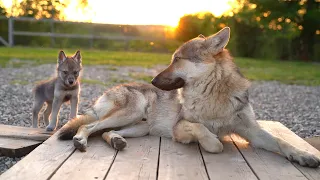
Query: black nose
(154, 81)
(70, 81)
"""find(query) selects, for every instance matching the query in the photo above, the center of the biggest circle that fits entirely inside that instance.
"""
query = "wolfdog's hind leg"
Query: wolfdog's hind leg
(46, 113)
(116, 138)
(119, 118)
(186, 132)
(35, 112)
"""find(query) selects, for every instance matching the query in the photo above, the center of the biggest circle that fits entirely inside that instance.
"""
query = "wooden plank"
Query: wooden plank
(314, 141)
(4, 42)
(138, 160)
(12, 147)
(281, 131)
(227, 165)
(267, 165)
(180, 161)
(92, 164)
(60, 35)
(19, 132)
(42, 162)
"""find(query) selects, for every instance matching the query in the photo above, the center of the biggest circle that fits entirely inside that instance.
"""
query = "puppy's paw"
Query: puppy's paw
(304, 159)
(50, 128)
(118, 143)
(80, 143)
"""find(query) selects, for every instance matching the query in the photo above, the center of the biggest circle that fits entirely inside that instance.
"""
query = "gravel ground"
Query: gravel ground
(297, 107)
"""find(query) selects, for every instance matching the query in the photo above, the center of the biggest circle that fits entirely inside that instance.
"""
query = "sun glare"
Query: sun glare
(144, 12)
(141, 12)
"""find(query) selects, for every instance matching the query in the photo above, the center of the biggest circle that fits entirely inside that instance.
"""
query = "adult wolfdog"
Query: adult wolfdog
(212, 101)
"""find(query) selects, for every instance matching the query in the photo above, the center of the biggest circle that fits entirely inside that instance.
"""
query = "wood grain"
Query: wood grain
(12, 147)
(227, 165)
(92, 164)
(36, 134)
(137, 161)
(180, 161)
(267, 165)
(41, 162)
(279, 130)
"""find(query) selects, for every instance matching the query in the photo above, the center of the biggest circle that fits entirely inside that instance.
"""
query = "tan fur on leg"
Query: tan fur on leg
(114, 140)
(186, 132)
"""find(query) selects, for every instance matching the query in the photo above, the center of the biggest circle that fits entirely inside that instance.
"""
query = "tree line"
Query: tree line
(283, 29)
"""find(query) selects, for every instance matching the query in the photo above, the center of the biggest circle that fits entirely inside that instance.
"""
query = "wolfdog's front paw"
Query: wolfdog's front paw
(50, 128)
(211, 144)
(304, 159)
(80, 143)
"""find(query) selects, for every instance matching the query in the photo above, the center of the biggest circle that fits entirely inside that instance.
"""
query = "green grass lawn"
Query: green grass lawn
(286, 72)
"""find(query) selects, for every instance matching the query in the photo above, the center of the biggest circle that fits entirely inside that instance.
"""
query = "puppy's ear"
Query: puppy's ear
(62, 57)
(77, 57)
(214, 44)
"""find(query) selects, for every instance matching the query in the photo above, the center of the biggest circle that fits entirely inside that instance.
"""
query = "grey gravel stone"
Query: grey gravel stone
(297, 107)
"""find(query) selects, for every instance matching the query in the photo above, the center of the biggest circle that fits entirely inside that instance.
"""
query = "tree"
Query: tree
(188, 28)
(301, 18)
(38, 9)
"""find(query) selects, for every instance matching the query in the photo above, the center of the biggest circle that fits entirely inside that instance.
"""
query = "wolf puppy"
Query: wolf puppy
(212, 102)
(58, 90)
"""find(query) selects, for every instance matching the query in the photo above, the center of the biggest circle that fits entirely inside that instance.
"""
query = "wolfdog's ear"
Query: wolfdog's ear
(62, 57)
(77, 56)
(215, 43)
(201, 36)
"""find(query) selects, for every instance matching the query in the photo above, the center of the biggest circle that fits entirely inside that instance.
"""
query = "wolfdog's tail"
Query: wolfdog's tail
(70, 129)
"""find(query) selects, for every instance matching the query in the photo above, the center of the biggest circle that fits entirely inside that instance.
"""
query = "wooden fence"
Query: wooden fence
(90, 36)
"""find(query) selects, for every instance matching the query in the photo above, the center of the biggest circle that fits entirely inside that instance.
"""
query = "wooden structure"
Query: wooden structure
(18, 141)
(160, 158)
(52, 34)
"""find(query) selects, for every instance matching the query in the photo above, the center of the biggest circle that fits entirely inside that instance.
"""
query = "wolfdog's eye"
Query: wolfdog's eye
(176, 59)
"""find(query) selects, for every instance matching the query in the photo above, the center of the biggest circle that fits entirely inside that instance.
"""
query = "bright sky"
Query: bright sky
(160, 12)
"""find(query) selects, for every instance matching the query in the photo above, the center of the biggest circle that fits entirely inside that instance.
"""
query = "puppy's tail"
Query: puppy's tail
(70, 129)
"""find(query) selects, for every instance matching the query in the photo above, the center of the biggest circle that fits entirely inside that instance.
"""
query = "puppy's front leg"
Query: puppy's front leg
(186, 132)
(74, 106)
(262, 139)
(57, 102)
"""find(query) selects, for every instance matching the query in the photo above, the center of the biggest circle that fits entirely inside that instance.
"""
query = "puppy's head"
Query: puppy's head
(69, 68)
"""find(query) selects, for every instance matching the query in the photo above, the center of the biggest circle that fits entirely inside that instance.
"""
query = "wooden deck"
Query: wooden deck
(160, 158)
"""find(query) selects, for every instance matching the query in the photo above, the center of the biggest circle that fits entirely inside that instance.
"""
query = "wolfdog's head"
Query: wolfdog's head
(69, 68)
(191, 60)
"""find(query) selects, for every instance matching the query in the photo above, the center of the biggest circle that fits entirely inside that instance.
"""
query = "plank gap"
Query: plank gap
(113, 159)
(54, 172)
(300, 171)
(158, 163)
(245, 159)
(205, 166)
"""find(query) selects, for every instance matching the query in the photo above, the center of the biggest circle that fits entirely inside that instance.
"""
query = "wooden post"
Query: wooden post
(92, 35)
(52, 33)
(127, 44)
(10, 32)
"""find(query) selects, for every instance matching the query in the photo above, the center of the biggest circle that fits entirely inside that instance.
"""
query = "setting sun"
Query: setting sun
(144, 12)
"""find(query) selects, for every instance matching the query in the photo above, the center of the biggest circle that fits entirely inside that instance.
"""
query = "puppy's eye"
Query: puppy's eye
(65, 72)
(76, 73)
